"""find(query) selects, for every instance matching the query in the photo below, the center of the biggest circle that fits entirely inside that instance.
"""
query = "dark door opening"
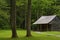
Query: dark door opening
(46, 27)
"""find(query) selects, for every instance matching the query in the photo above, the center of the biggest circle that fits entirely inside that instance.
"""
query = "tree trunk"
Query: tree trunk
(28, 19)
(13, 17)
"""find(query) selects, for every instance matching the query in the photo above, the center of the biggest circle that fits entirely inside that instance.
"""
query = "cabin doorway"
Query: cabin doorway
(45, 27)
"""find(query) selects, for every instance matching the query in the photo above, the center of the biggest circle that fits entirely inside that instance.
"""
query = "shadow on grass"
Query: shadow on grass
(32, 38)
(21, 38)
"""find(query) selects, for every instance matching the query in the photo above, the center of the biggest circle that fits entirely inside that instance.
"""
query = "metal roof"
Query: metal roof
(45, 19)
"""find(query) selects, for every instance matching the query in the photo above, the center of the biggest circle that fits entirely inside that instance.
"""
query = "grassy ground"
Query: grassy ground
(6, 35)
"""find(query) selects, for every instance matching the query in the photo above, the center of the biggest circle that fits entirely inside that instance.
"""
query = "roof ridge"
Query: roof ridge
(45, 20)
(50, 15)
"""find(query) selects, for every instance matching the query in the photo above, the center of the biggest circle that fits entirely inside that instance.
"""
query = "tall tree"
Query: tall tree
(13, 17)
(28, 19)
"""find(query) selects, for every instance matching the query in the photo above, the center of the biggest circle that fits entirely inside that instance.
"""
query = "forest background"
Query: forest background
(39, 8)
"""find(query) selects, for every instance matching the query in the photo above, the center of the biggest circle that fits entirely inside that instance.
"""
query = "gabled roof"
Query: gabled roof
(45, 19)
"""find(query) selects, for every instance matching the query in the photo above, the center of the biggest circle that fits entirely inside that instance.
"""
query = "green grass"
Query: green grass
(6, 35)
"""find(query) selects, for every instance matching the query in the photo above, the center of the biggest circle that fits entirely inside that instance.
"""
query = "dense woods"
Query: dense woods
(38, 8)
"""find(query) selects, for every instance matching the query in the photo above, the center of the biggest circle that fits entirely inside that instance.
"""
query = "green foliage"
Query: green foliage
(39, 8)
(4, 14)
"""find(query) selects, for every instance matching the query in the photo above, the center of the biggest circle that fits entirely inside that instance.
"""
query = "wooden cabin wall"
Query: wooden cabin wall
(55, 24)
